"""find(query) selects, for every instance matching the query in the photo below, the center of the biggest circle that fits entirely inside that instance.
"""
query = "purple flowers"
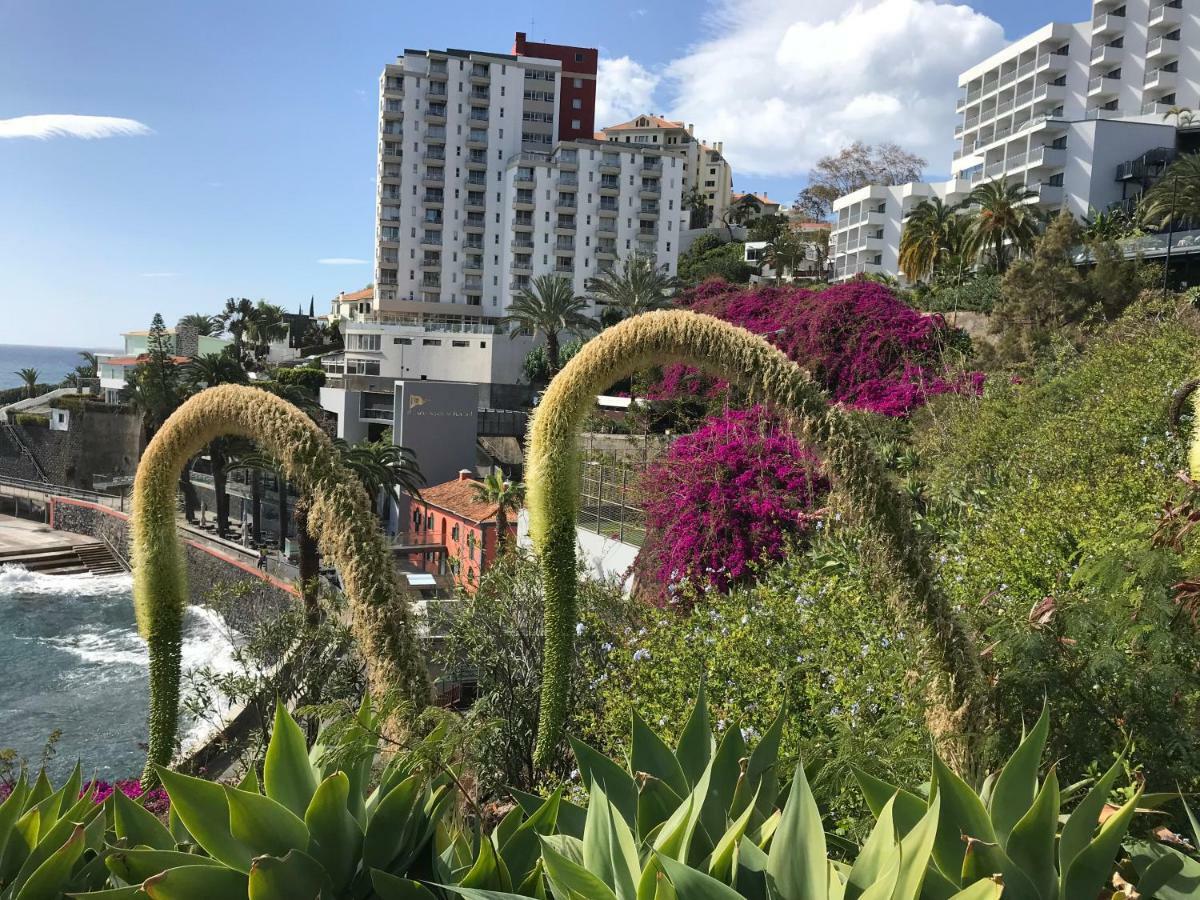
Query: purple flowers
(156, 801)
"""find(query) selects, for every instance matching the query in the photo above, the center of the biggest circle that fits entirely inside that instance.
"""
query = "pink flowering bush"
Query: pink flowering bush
(728, 494)
(867, 347)
(156, 800)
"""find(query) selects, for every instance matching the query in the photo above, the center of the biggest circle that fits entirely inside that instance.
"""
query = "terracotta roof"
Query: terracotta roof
(364, 294)
(458, 497)
(654, 122)
(761, 198)
(599, 136)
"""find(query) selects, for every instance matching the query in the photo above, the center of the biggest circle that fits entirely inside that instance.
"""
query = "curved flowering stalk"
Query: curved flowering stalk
(340, 519)
(769, 377)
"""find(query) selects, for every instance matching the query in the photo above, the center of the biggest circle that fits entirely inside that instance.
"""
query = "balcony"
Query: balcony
(523, 200)
(607, 227)
(1107, 24)
(475, 222)
(475, 180)
(1162, 47)
(478, 117)
(1102, 112)
(436, 134)
(1051, 62)
(565, 223)
(568, 181)
(432, 217)
(431, 261)
(609, 186)
(434, 154)
(434, 177)
(479, 96)
(1166, 15)
(431, 239)
(438, 69)
(564, 269)
(565, 203)
(568, 158)
(522, 242)
(392, 151)
(610, 164)
(652, 165)
(650, 188)
(608, 206)
(477, 138)
(431, 199)
(1160, 80)
(1103, 86)
(1049, 93)
(1047, 158)
(1048, 194)
(649, 209)
(432, 283)
(391, 195)
(1107, 55)
(647, 231)
(565, 244)
(525, 224)
(1155, 108)
(393, 85)
(607, 249)
(436, 115)
(480, 74)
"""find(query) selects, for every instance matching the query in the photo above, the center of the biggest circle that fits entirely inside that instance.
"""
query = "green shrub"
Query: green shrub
(976, 294)
(31, 420)
(310, 378)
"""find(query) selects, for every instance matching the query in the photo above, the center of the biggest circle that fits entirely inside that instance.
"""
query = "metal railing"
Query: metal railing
(46, 490)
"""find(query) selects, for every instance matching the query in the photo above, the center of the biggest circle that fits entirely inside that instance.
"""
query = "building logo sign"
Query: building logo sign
(415, 400)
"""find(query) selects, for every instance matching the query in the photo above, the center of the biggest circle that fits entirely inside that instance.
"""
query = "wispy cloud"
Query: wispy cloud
(342, 261)
(45, 127)
(159, 274)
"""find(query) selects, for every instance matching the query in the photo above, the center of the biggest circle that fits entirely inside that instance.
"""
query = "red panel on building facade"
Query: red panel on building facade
(577, 93)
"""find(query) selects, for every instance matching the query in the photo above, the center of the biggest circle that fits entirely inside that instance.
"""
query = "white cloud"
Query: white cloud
(159, 274)
(88, 127)
(784, 82)
(624, 88)
(342, 261)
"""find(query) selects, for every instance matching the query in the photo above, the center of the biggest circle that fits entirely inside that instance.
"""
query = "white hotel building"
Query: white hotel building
(1068, 111)
(479, 192)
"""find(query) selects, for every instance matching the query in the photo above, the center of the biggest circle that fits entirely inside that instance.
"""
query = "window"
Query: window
(406, 342)
(578, 57)
(576, 124)
(431, 342)
(576, 103)
(460, 343)
(578, 82)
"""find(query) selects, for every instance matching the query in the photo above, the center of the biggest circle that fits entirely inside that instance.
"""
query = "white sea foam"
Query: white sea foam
(19, 580)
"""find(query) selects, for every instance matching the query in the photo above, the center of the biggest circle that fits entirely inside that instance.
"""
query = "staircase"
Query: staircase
(65, 559)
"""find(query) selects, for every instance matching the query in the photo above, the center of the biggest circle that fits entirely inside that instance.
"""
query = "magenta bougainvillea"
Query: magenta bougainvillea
(156, 800)
(738, 488)
(867, 347)
(726, 495)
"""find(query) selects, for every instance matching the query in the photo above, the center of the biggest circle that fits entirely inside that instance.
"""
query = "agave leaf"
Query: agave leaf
(885, 883)
(49, 879)
(11, 810)
(506, 826)
(535, 884)
(136, 865)
(571, 818)
(984, 860)
(50, 840)
(1165, 873)
(609, 851)
(1191, 821)
(724, 856)
(985, 889)
(297, 876)
(649, 754)
(130, 892)
(762, 779)
(390, 828)
(656, 802)
(196, 883)
(1018, 782)
(178, 830)
(678, 832)
(249, 782)
(468, 893)
(521, 850)
(696, 742)
(1093, 865)
(137, 826)
(1031, 843)
(288, 776)
(569, 880)
(42, 790)
(691, 884)
(489, 871)
(915, 850)
(265, 826)
(763, 833)
(797, 857)
(389, 887)
(1081, 824)
(962, 813)
(335, 839)
(596, 768)
(204, 812)
(20, 844)
(877, 854)
(751, 876)
(908, 807)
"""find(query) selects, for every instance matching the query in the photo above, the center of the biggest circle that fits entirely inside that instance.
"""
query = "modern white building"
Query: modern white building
(1069, 111)
(489, 176)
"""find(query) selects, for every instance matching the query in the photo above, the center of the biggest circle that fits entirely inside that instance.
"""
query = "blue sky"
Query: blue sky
(260, 155)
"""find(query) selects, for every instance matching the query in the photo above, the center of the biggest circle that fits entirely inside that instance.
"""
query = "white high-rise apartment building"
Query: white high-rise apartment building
(1067, 111)
(489, 176)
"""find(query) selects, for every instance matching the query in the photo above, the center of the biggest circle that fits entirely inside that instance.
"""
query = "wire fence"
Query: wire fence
(610, 493)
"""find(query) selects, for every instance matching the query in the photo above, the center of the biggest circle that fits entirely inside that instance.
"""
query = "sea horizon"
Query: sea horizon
(53, 363)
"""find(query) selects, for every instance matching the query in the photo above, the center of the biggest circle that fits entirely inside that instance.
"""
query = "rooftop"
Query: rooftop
(761, 198)
(646, 121)
(458, 497)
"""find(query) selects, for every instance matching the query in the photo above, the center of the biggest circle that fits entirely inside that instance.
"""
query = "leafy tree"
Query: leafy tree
(310, 379)
(536, 367)
(784, 254)
(30, 378)
(236, 318)
(696, 203)
(638, 286)
(710, 257)
(549, 307)
(767, 228)
(1110, 225)
(507, 496)
(1003, 221)
(1176, 196)
(264, 327)
(855, 167)
(155, 388)
(205, 325)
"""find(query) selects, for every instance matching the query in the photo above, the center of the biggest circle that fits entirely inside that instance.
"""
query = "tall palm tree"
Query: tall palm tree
(265, 326)
(507, 496)
(549, 307)
(1183, 115)
(29, 378)
(205, 372)
(235, 318)
(91, 365)
(1176, 196)
(784, 254)
(926, 243)
(638, 286)
(205, 325)
(1003, 220)
(382, 469)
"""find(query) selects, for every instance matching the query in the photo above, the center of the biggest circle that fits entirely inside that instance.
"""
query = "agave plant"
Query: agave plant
(1162, 870)
(1010, 827)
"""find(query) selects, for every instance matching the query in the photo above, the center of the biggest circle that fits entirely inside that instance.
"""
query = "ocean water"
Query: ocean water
(54, 363)
(71, 659)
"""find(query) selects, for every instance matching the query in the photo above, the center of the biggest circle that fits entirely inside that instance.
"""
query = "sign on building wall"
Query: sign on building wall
(438, 421)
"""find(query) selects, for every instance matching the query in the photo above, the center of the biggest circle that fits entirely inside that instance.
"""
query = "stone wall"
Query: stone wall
(14, 463)
(100, 442)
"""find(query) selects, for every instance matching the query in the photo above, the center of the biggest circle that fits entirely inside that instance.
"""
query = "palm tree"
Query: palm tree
(235, 318)
(507, 496)
(1183, 115)
(639, 286)
(1176, 196)
(205, 372)
(1002, 217)
(30, 378)
(928, 239)
(205, 325)
(784, 254)
(91, 365)
(265, 326)
(550, 307)
(382, 469)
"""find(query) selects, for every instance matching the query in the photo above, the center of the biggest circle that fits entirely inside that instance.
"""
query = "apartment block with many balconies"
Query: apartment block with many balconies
(1060, 110)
